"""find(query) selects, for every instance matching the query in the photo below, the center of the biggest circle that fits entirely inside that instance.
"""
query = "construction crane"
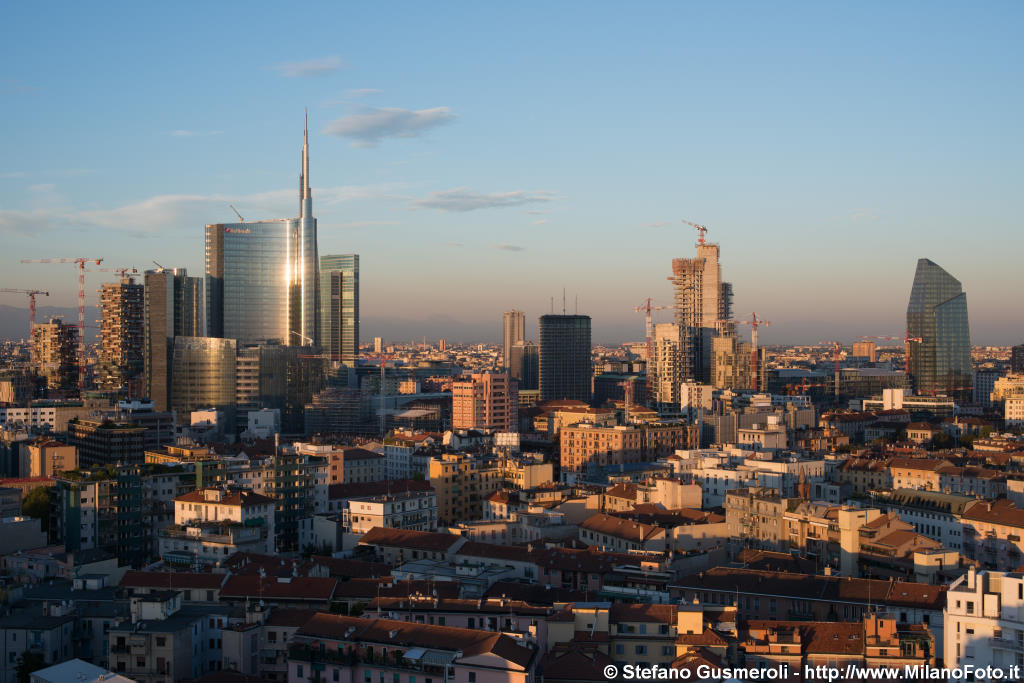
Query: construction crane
(647, 309)
(755, 360)
(80, 264)
(120, 271)
(240, 219)
(701, 231)
(31, 302)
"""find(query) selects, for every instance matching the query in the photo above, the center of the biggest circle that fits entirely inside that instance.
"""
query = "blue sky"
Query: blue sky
(482, 156)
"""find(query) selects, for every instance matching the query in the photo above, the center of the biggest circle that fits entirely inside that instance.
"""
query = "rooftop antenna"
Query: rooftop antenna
(240, 219)
(563, 300)
(577, 311)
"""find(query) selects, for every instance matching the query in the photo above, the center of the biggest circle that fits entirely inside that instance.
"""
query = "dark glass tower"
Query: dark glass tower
(937, 314)
(173, 308)
(565, 368)
(523, 364)
(339, 298)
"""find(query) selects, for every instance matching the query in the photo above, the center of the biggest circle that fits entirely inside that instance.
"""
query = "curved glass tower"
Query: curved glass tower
(262, 277)
(937, 315)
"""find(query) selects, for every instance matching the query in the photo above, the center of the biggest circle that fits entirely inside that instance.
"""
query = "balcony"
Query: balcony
(1004, 644)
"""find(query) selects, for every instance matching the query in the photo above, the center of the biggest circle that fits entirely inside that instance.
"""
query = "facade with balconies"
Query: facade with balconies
(984, 621)
(212, 524)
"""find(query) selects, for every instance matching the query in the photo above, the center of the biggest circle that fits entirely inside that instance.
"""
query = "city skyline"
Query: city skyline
(585, 180)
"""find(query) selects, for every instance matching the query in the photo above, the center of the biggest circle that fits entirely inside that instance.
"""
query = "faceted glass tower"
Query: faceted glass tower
(937, 315)
(262, 280)
(565, 368)
(339, 315)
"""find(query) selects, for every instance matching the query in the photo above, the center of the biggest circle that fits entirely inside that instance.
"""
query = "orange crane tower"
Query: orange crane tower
(31, 302)
(80, 264)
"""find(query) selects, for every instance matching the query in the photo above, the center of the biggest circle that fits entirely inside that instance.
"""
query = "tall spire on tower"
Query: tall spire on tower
(306, 193)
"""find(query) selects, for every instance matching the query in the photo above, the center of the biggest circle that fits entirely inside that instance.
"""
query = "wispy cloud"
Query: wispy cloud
(309, 67)
(463, 199)
(509, 247)
(26, 222)
(168, 213)
(542, 221)
(9, 175)
(13, 86)
(864, 215)
(368, 126)
(194, 133)
(369, 224)
(657, 224)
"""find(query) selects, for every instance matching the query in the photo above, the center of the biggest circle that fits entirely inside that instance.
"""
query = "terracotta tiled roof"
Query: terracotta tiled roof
(351, 569)
(376, 488)
(924, 464)
(621, 528)
(1001, 511)
(707, 638)
(431, 604)
(493, 551)
(622, 490)
(139, 579)
(400, 634)
(404, 538)
(811, 587)
(575, 663)
(290, 617)
(242, 497)
(296, 588)
(623, 612)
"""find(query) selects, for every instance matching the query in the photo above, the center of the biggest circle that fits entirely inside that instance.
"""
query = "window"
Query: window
(161, 641)
(298, 671)
(272, 636)
(620, 649)
(970, 607)
(641, 649)
(666, 650)
(472, 677)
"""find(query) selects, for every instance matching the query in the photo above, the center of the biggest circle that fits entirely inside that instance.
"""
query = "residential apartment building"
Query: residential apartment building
(45, 457)
(584, 446)
(164, 641)
(347, 464)
(462, 483)
(486, 401)
(984, 621)
(54, 355)
(213, 523)
(368, 649)
(416, 510)
(51, 636)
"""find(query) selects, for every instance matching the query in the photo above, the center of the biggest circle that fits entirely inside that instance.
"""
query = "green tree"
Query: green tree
(37, 505)
(28, 663)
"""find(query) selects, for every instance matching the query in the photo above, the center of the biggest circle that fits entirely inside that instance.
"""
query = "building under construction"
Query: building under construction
(703, 305)
(121, 357)
(54, 356)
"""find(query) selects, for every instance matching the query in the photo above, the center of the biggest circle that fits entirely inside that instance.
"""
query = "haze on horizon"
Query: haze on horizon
(481, 158)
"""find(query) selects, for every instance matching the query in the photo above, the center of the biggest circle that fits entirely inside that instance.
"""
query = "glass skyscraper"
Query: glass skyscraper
(262, 281)
(339, 313)
(565, 367)
(937, 315)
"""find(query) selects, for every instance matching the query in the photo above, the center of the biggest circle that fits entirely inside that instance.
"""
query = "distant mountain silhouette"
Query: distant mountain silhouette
(14, 320)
